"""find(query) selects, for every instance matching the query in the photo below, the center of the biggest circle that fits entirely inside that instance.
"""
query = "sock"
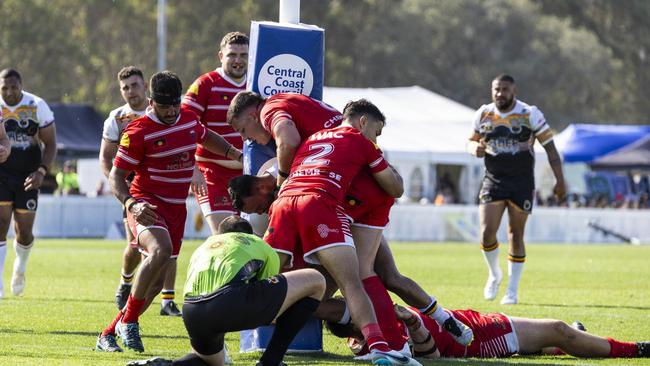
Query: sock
(436, 312)
(190, 359)
(167, 297)
(127, 278)
(515, 267)
(374, 338)
(133, 308)
(286, 327)
(3, 255)
(111, 327)
(346, 318)
(622, 349)
(383, 306)
(491, 255)
(22, 255)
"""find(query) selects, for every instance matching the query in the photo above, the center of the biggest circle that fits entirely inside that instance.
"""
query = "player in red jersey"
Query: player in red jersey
(209, 97)
(307, 222)
(133, 89)
(286, 118)
(498, 336)
(159, 148)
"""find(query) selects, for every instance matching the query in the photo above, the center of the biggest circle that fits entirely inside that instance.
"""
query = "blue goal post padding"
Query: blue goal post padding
(309, 339)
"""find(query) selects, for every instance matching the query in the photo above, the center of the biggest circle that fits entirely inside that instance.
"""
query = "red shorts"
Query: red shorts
(367, 203)
(217, 200)
(494, 335)
(170, 217)
(300, 226)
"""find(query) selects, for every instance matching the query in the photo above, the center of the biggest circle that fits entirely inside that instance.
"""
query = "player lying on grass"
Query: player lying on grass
(497, 335)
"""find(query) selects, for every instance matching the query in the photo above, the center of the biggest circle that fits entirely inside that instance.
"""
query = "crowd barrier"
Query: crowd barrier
(78, 217)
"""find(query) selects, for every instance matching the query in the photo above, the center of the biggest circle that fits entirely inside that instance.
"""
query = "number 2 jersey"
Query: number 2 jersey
(510, 137)
(327, 161)
(22, 123)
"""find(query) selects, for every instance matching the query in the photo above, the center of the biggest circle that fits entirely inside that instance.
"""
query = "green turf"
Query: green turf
(71, 283)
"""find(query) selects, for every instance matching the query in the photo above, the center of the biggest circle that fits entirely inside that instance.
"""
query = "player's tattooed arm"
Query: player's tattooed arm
(218, 145)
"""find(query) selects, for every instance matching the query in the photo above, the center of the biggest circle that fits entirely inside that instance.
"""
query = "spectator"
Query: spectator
(67, 179)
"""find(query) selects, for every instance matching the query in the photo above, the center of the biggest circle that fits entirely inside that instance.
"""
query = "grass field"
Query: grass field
(71, 283)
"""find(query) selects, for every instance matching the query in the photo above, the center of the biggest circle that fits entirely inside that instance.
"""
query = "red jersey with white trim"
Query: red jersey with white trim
(308, 114)
(327, 161)
(161, 155)
(209, 97)
(488, 328)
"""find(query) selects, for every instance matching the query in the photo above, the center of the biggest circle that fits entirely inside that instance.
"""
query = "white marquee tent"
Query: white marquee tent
(425, 136)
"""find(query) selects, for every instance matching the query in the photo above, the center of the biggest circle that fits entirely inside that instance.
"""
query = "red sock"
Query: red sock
(133, 308)
(111, 327)
(374, 338)
(622, 349)
(384, 312)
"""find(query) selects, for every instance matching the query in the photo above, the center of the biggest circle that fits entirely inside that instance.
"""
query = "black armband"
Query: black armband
(283, 174)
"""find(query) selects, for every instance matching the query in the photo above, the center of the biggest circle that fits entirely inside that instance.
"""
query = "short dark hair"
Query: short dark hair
(233, 38)
(129, 71)
(234, 224)
(362, 107)
(166, 83)
(241, 102)
(240, 188)
(11, 73)
(504, 77)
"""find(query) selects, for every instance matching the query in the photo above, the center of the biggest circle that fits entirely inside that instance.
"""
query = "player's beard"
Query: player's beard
(505, 104)
(236, 72)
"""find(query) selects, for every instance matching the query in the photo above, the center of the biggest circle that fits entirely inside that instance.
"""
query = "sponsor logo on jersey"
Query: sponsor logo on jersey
(285, 73)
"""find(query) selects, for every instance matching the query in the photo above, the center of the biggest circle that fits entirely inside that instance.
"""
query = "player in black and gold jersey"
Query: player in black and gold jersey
(29, 123)
(503, 133)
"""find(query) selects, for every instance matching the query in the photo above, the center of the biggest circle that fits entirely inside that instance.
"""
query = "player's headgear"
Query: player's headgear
(166, 88)
(234, 224)
(240, 188)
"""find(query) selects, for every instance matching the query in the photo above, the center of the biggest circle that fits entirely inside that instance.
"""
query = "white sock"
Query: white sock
(492, 261)
(438, 313)
(345, 319)
(3, 255)
(22, 255)
(514, 274)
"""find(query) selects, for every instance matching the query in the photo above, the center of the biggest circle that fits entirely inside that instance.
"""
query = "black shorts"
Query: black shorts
(12, 191)
(232, 308)
(518, 190)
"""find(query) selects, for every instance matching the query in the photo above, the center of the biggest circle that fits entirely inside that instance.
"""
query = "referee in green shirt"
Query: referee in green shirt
(233, 284)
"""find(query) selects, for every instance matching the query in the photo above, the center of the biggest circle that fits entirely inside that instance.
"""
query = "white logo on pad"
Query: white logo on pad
(285, 73)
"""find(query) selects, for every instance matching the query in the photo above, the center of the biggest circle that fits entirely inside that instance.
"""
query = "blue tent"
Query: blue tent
(587, 142)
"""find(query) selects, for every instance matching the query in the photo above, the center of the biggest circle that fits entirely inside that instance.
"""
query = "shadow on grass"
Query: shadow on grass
(596, 306)
(81, 333)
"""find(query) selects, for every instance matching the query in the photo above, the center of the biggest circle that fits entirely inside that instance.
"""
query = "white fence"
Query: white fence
(72, 217)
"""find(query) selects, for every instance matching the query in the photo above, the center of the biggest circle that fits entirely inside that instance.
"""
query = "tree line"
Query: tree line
(579, 61)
